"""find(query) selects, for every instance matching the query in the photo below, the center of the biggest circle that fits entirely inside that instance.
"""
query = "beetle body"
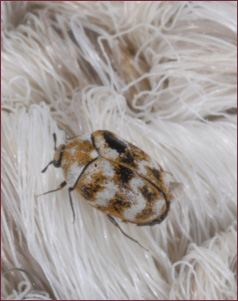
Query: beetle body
(115, 177)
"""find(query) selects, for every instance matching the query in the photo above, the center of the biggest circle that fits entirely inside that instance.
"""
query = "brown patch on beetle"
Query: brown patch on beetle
(141, 218)
(144, 215)
(115, 207)
(95, 179)
(77, 151)
(90, 187)
(150, 196)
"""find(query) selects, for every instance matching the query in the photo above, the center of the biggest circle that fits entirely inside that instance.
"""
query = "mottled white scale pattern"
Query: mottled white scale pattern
(105, 196)
(99, 141)
(158, 207)
(100, 165)
(106, 168)
(143, 164)
(107, 152)
(94, 154)
(140, 203)
(73, 173)
(130, 213)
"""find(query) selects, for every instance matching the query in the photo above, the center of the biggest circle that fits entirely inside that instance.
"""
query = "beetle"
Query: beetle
(114, 176)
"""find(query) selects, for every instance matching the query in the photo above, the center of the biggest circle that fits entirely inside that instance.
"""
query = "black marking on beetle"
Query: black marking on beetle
(149, 196)
(114, 143)
(128, 159)
(97, 180)
(164, 195)
(58, 162)
(158, 220)
(86, 190)
(144, 213)
(119, 204)
(89, 190)
(124, 174)
(155, 172)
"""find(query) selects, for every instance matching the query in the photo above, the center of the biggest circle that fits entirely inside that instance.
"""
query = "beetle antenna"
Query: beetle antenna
(51, 162)
(54, 137)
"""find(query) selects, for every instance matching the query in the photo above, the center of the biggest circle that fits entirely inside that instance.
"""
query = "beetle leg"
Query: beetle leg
(44, 170)
(112, 220)
(71, 202)
(54, 190)
(59, 188)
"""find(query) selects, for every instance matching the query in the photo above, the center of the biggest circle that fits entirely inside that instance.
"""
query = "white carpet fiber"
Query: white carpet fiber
(162, 75)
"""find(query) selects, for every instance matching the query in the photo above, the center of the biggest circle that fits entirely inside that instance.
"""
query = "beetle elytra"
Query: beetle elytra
(114, 176)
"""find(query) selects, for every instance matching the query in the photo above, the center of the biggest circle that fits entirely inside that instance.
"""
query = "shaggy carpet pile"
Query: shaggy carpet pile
(163, 76)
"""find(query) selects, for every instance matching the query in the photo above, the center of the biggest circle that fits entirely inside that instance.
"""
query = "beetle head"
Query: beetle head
(57, 156)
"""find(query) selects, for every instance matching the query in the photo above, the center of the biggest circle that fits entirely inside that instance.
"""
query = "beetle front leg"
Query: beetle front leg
(61, 186)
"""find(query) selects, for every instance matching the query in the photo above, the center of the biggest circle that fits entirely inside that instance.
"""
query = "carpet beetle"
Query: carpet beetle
(115, 177)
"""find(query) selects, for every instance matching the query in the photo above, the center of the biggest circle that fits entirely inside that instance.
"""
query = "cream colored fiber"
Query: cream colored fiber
(160, 74)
